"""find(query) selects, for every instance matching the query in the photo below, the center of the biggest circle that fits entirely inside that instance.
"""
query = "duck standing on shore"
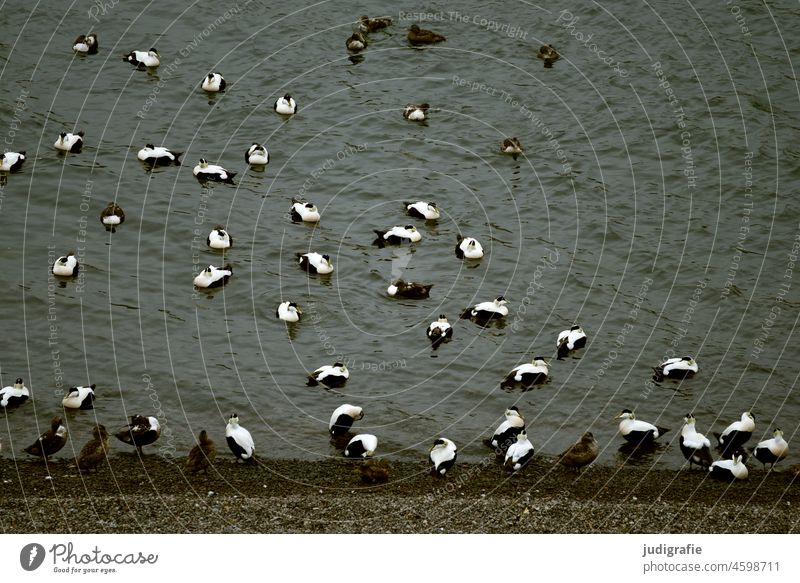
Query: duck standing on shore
(736, 435)
(95, 450)
(519, 453)
(142, 430)
(581, 453)
(51, 441)
(695, 446)
(771, 451)
(362, 446)
(506, 433)
(202, 455)
(729, 470)
(239, 440)
(443, 456)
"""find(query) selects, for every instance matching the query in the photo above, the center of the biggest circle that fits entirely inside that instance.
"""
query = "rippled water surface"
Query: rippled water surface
(656, 205)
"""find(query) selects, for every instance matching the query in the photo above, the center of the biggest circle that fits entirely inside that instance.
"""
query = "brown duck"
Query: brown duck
(202, 455)
(94, 452)
(421, 36)
(367, 24)
(548, 54)
(50, 441)
(582, 453)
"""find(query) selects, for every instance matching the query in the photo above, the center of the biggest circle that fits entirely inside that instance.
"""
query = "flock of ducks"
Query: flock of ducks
(510, 440)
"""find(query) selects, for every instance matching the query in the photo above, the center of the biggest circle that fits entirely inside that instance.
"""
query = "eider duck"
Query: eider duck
(440, 330)
(695, 446)
(158, 155)
(212, 277)
(729, 469)
(288, 312)
(414, 112)
(569, 340)
(79, 398)
(356, 43)
(367, 24)
(304, 212)
(548, 54)
(397, 236)
(94, 451)
(315, 263)
(66, 266)
(201, 455)
(511, 146)
(219, 238)
(422, 210)
(675, 368)
(86, 43)
(14, 395)
(636, 431)
(343, 417)
(487, 310)
(112, 216)
(285, 105)
(257, 155)
(507, 432)
(331, 376)
(409, 290)
(374, 471)
(69, 142)
(213, 83)
(519, 453)
(736, 434)
(771, 451)
(421, 36)
(468, 248)
(51, 441)
(143, 59)
(581, 453)
(206, 171)
(239, 440)
(140, 431)
(528, 374)
(11, 161)
(442, 455)
(362, 446)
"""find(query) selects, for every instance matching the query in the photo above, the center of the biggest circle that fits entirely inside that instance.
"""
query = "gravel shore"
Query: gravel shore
(150, 494)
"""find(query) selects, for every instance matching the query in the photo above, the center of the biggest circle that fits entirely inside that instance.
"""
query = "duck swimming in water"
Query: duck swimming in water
(420, 36)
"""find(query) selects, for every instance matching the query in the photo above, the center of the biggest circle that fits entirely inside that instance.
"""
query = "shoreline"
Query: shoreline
(152, 494)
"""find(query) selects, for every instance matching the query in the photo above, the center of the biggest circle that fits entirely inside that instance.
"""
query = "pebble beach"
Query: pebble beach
(152, 494)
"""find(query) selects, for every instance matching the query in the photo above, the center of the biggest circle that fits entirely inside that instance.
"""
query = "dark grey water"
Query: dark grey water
(656, 205)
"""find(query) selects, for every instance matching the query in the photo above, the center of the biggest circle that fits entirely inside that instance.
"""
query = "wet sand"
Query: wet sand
(130, 494)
